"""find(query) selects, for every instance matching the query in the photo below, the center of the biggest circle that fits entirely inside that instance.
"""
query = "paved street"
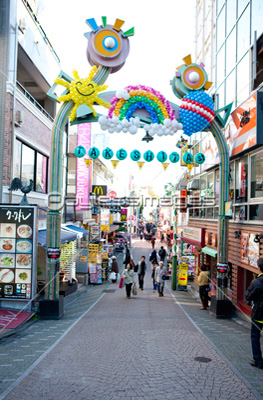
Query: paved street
(109, 347)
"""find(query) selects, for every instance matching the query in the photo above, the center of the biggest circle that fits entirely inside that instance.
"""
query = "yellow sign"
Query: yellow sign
(83, 258)
(105, 228)
(190, 166)
(88, 162)
(182, 278)
(123, 217)
(114, 163)
(141, 164)
(165, 165)
(184, 150)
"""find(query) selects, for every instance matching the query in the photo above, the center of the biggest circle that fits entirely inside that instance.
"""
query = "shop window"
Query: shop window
(220, 29)
(256, 212)
(30, 164)
(216, 212)
(243, 79)
(231, 182)
(240, 213)
(210, 185)
(230, 15)
(241, 180)
(209, 212)
(256, 175)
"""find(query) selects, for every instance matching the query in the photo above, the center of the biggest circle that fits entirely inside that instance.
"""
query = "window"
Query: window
(257, 10)
(210, 185)
(243, 34)
(30, 164)
(219, 5)
(231, 51)
(240, 213)
(220, 66)
(241, 180)
(217, 186)
(231, 182)
(256, 175)
(231, 88)
(256, 212)
(231, 15)
(220, 29)
(243, 79)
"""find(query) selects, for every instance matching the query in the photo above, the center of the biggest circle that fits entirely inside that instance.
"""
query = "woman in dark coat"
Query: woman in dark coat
(114, 268)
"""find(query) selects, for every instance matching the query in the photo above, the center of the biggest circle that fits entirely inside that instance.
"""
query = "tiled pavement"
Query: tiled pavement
(143, 348)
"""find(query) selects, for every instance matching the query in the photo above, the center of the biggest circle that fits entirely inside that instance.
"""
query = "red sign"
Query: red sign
(183, 207)
(112, 194)
(10, 319)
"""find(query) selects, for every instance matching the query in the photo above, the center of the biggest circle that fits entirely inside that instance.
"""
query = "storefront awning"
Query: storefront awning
(65, 237)
(209, 252)
(81, 232)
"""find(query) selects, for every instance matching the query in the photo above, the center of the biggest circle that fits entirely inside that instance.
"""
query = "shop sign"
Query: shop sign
(95, 230)
(99, 190)
(183, 272)
(243, 181)
(253, 251)
(183, 201)
(207, 238)
(184, 150)
(214, 240)
(244, 247)
(53, 252)
(83, 173)
(112, 194)
(124, 213)
(83, 258)
(95, 210)
(193, 234)
(18, 238)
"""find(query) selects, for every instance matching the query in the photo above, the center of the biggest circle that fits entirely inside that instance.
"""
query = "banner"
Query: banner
(83, 174)
(114, 163)
(88, 162)
(165, 166)
(244, 247)
(141, 164)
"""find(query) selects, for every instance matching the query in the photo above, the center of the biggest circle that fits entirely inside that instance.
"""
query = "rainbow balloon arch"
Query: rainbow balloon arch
(132, 108)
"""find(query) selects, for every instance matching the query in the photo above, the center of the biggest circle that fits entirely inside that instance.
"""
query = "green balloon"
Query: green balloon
(94, 152)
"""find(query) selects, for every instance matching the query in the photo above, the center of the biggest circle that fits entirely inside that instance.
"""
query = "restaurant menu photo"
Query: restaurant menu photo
(17, 227)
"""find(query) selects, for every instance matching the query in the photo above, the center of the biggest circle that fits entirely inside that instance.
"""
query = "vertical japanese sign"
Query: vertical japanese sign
(18, 239)
(244, 247)
(124, 213)
(83, 172)
(243, 180)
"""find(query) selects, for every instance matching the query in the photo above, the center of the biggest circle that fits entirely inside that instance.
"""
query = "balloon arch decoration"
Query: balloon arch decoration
(131, 108)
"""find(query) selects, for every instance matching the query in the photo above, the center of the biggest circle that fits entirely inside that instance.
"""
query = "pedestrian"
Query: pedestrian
(162, 237)
(153, 256)
(162, 254)
(127, 257)
(154, 266)
(254, 294)
(153, 241)
(159, 277)
(142, 266)
(114, 268)
(129, 279)
(203, 281)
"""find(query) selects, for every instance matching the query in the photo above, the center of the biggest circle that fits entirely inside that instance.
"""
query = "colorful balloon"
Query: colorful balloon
(162, 156)
(135, 155)
(80, 151)
(107, 153)
(188, 158)
(199, 158)
(148, 156)
(174, 157)
(94, 152)
(121, 154)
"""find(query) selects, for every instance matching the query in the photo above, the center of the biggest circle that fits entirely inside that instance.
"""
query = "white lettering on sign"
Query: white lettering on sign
(192, 233)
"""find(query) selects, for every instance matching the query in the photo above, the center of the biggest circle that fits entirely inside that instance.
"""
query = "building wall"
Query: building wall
(7, 140)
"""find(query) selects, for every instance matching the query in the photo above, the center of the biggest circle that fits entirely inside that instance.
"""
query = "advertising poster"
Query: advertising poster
(17, 251)
(253, 251)
(83, 173)
(244, 247)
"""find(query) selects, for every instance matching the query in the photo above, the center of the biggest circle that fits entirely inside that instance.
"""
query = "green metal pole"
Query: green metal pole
(174, 260)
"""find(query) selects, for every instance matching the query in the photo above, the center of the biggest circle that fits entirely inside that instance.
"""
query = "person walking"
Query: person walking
(142, 266)
(129, 279)
(153, 256)
(153, 241)
(162, 254)
(154, 266)
(254, 294)
(162, 237)
(114, 268)
(127, 257)
(159, 277)
(203, 281)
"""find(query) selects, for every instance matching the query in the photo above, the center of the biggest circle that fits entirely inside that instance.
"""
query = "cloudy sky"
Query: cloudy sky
(164, 34)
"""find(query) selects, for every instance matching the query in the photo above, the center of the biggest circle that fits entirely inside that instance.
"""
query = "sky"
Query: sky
(164, 34)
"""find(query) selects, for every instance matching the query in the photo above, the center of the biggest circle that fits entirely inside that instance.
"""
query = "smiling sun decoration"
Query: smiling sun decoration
(83, 91)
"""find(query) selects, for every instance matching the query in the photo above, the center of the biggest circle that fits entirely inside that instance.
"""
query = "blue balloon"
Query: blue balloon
(161, 156)
(135, 155)
(188, 158)
(94, 152)
(148, 156)
(199, 158)
(174, 157)
(80, 151)
(121, 154)
(107, 153)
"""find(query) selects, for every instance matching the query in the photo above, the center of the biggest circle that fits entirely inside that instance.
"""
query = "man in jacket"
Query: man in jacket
(255, 294)
(159, 278)
(162, 254)
(141, 271)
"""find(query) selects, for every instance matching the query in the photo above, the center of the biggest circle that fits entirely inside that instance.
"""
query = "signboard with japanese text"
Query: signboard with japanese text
(244, 247)
(83, 173)
(18, 241)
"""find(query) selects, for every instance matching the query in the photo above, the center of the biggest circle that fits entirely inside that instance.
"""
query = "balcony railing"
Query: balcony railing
(33, 101)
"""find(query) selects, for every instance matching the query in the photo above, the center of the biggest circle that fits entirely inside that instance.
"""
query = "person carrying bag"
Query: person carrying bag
(129, 279)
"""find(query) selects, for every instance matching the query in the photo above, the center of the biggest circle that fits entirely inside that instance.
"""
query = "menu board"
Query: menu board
(17, 251)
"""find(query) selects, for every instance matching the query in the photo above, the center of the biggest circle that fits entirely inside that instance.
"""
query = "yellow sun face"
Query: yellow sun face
(83, 91)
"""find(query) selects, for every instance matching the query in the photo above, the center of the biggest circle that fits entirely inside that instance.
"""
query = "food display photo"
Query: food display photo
(6, 275)
(7, 245)
(7, 260)
(24, 246)
(24, 231)
(8, 230)
(23, 276)
(23, 261)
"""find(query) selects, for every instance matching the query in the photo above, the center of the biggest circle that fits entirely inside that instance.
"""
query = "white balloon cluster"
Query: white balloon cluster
(115, 125)
(169, 127)
(123, 94)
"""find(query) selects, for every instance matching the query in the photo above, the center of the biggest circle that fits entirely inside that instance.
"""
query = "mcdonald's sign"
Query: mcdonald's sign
(99, 190)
